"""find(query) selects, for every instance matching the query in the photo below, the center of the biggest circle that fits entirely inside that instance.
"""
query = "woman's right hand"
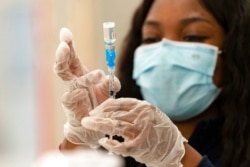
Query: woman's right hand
(84, 91)
(150, 137)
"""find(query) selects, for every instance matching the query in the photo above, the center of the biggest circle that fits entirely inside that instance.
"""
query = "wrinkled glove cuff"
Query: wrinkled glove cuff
(173, 159)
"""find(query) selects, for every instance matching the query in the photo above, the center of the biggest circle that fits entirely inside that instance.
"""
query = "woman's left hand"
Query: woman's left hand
(85, 90)
(149, 135)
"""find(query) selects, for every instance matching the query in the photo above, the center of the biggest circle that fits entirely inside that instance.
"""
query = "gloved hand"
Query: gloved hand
(149, 135)
(85, 90)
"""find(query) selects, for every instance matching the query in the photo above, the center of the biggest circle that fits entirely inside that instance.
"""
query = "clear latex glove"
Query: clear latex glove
(85, 90)
(149, 135)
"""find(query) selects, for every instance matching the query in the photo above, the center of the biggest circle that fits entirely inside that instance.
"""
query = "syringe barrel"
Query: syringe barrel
(109, 41)
(110, 58)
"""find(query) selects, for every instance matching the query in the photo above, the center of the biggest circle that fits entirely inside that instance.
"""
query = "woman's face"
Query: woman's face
(183, 20)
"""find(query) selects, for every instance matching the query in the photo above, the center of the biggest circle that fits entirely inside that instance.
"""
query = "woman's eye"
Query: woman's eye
(194, 38)
(149, 40)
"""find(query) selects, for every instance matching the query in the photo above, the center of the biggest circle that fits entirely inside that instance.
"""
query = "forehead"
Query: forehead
(174, 10)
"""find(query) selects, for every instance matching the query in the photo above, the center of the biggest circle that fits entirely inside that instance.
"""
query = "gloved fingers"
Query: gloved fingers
(72, 134)
(111, 127)
(150, 137)
(76, 104)
(113, 105)
(90, 79)
(102, 88)
(65, 35)
(61, 66)
(127, 148)
(125, 109)
(80, 135)
(74, 96)
(68, 65)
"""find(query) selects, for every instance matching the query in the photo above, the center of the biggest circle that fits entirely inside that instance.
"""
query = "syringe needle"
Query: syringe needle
(111, 85)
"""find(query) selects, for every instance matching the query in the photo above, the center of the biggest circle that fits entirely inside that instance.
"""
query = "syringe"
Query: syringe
(109, 42)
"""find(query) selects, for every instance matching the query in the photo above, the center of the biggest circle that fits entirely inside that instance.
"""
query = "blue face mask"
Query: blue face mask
(177, 77)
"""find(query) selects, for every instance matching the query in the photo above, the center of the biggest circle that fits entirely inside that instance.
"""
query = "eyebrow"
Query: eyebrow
(190, 20)
(152, 23)
(184, 21)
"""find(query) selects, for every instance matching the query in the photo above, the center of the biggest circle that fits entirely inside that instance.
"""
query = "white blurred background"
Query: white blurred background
(31, 117)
